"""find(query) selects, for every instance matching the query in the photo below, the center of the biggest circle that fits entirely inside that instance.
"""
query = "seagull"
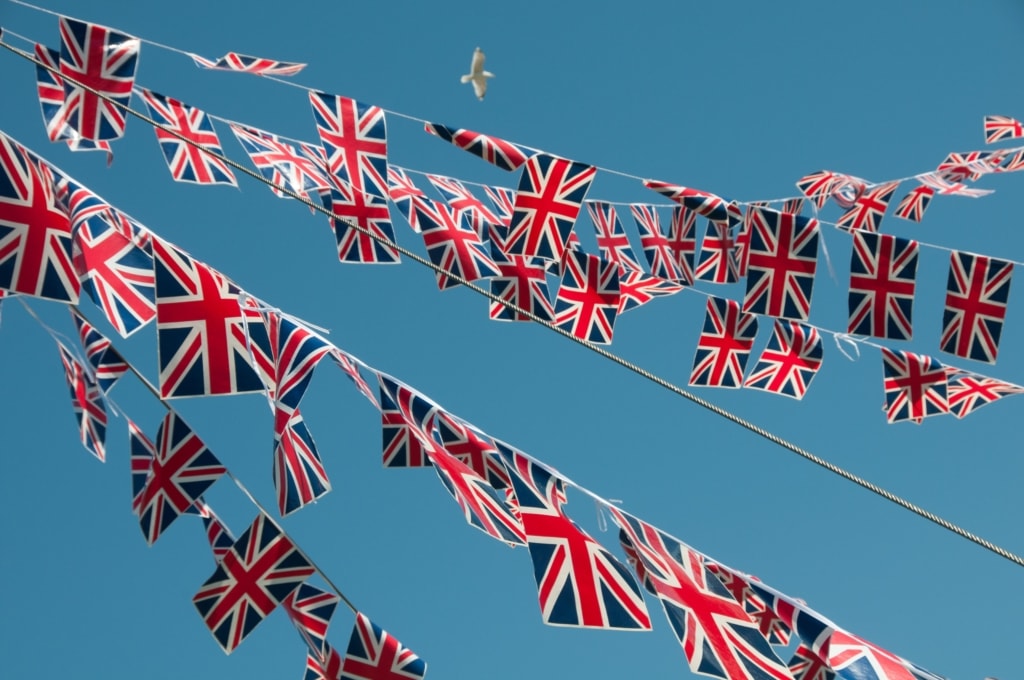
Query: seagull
(477, 75)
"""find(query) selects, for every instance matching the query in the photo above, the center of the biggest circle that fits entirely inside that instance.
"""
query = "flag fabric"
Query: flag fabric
(521, 282)
(354, 138)
(483, 506)
(913, 205)
(257, 574)
(854, 658)
(35, 231)
(703, 203)
(357, 215)
(588, 298)
(789, 362)
(323, 666)
(295, 352)
(741, 241)
(476, 449)
(868, 209)
(724, 345)
(998, 128)
(503, 201)
(612, 241)
(50, 87)
(718, 637)
(299, 474)
(958, 166)
(781, 263)
(233, 61)
(915, 386)
(401, 191)
(207, 341)
(579, 583)
(806, 665)
(406, 423)
(374, 654)
(717, 262)
(103, 60)
(193, 162)
(86, 403)
(350, 365)
(817, 186)
(944, 187)
(655, 244)
(1013, 162)
(181, 470)
(217, 533)
(141, 452)
(107, 365)
(682, 241)
(967, 392)
(458, 196)
(883, 272)
(846, 190)
(637, 288)
(496, 151)
(977, 295)
(300, 169)
(310, 608)
(115, 271)
(452, 244)
(551, 192)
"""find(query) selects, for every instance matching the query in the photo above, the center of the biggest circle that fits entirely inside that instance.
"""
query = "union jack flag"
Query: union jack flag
(998, 128)
(977, 293)
(789, 362)
(958, 166)
(299, 474)
(915, 386)
(86, 403)
(717, 636)
(115, 271)
(323, 666)
(255, 576)
(407, 420)
(812, 629)
(295, 351)
(806, 665)
(141, 453)
(103, 60)
(354, 137)
(193, 162)
(551, 191)
(637, 288)
(374, 654)
(300, 169)
(310, 608)
(724, 345)
(781, 263)
(50, 88)
(588, 299)
(701, 202)
(741, 243)
(358, 217)
(217, 533)
(943, 186)
(181, 470)
(867, 211)
(35, 231)
(349, 364)
(579, 582)
(657, 248)
(107, 365)
(1013, 162)
(522, 282)
(682, 241)
(462, 200)
(883, 270)
(854, 658)
(206, 340)
(793, 206)
(483, 506)
(401, 191)
(452, 244)
(503, 201)
(233, 61)
(817, 186)
(847, 189)
(611, 238)
(968, 392)
(913, 205)
(718, 262)
(496, 151)
(474, 448)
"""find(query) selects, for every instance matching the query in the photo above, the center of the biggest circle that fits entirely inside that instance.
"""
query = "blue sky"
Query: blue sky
(737, 98)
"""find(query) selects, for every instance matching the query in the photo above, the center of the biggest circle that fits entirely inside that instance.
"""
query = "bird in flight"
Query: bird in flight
(477, 75)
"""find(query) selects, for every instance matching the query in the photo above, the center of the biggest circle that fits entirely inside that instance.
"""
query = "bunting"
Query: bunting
(233, 61)
(977, 295)
(195, 161)
(789, 362)
(86, 403)
(656, 246)
(50, 87)
(915, 386)
(883, 271)
(724, 345)
(588, 299)
(505, 155)
(781, 264)
(612, 241)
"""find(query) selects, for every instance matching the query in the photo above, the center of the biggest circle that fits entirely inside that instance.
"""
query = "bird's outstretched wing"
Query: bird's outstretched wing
(480, 87)
(476, 67)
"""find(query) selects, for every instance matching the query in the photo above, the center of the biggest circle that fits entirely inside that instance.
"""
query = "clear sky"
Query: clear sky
(739, 98)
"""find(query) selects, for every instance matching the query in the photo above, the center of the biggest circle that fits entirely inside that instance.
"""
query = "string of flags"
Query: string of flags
(501, 491)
